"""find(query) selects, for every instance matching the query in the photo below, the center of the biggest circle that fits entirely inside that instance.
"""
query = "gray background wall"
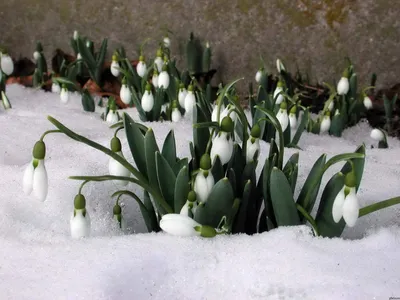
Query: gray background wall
(315, 35)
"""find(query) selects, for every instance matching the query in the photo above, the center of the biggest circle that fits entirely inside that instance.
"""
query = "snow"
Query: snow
(39, 260)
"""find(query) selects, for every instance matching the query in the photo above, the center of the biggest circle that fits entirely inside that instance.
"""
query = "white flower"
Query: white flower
(292, 120)
(36, 55)
(76, 35)
(253, 146)
(159, 62)
(35, 179)
(325, 124)
(377, 134)
(116, 169)
(141, 68)
(154, 79)
(6, 64)
(227, 111)
(176, 115)
(279, 66)
(147, 101)
(258, 76)
(214, 114)
(79, 56)
(167, 42)
(112, 117)
(203, 185)
(80, 224)
(283, 118)
(114, 68)
(190, 102)
(164, 108)
(337, 208)
(163, 80)
(279, 97)
(125, 94)
(64, 95)
(331, 105)
(343, 86)
(55, 88)
(367, 102)
(179, 225)
(351, 208)
(223, 147)
(181, 96)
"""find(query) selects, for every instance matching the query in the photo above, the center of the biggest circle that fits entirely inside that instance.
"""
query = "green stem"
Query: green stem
(82, 185)
(158, 197)
(49, 131)
(379, 205)
(309, 218)
(118, 129)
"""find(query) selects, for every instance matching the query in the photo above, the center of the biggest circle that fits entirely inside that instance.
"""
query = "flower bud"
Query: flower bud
(227, 124)
(255, 131)
(39, 150)
(115, 144)
(206, 231)
(205, 162)
(79, 202)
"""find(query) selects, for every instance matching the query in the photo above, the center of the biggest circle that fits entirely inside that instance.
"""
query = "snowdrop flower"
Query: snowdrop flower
(259, 75)
(325, 123)
(117, 213)
(292, 117)
(114, 68)
(190, 100)
(163, 78)
(204, 180)
(36, 56)
(278, 97)
(279, 66)
(79, 57)
(380, 136)
(147, 99)
(182, 95)
(141, 67)
(125, 93)
(222, 144)
(6, 64)
(367, 102)
(343, 85)
(5, 100)
(331, 105)
(35, 175)
(80, 219)
(282, 116)
(55, 88)
(114, 167)
(112, 115)
(214, 114)
(190, 206)
(158, 61)
(176, 115)
(181, 225)
(64, 94)
(154, 78)
(167, 42)
(76, 35)
(346, 203)
(229, 110)
(253, 144)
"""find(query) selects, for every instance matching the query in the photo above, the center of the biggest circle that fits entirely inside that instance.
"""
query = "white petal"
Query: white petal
(331, 106)
(179, 225)
(125, 94)
(36, 55)
(79, 224)
(159, 63)
(185, 209)
(252, 148)
(367, 102)
(279, 99)
(283, 119)
(27, 181)
(40, 181)
(176, 115)
(55, 88)
(147, 101)
(154, 80)
(325, 125)
(377, 135)
(116, 169)
(337, 207)
(7, 64)
(141, 68)
(181, 97)
(292, 121)
(351, 208)
(167, 42)
(343, 86)
(222, 147)
(203, 186)
(112, 117)
(258, 76)
(190, 101)
(64, 96)
(114, 68)
(163, 80)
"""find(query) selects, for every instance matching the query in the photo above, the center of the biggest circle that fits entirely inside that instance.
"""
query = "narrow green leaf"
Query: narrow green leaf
(358, 164)
(150, 148)
(169, 149)
(166, 179)
(182, 189)
(300, 129)
(217, 170)
(239, 225)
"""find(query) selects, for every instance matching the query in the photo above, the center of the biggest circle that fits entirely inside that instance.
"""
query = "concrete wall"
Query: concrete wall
(314, 34)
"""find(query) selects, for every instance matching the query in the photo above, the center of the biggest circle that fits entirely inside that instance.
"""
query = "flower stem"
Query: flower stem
(309, 218)
(49, 131)
(81, 187)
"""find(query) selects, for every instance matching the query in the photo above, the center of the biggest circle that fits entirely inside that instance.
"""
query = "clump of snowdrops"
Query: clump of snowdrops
(216, 189)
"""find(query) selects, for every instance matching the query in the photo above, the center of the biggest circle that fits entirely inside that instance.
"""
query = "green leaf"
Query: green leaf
(138, 105)
(285, 209)
(378, 206)
(87, 101)
(179, 165)
(182, 189)
(291, 170)
(150, 208)
(166, 179)
(266, 183)
(169, 149)
(300, 129)
(150, 148)
(136, 143)
(326, 225)
(218, 205)
(200, 135)
(217, 170)
(358, 164)
(337, 125)
(239, 224)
